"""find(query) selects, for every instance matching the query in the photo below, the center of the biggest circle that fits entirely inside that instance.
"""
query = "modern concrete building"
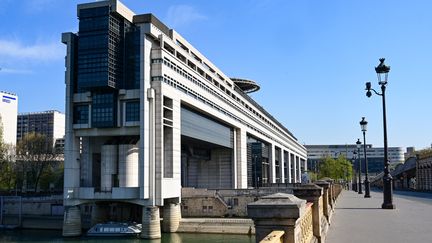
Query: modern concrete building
(147, 114)
(375, 156)
(8, 116)
(49, 123)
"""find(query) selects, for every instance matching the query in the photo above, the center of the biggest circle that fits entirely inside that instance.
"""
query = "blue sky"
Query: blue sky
(311, 58)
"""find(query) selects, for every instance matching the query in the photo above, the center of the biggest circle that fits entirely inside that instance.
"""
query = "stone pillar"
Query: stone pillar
(99, 214)
(330, 192)
(278, 211)
(326, 206)
(72, 221)
(150, 223)
(313, 193)
(171, 217)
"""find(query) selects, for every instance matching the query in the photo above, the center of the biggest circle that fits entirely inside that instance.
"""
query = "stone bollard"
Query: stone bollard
(278, 211)
(330, 191)
(72, 221)
(326, 205)
(171, 217)
(314, 194)
(150, 223)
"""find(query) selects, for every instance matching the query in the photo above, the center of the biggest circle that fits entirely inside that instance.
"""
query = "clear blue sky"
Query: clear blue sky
(311, 58)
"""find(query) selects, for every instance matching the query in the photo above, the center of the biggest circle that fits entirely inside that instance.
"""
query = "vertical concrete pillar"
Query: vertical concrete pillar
(99, 214)
(295, 168)
(289, 168)
(278, 211)
(72, 221)
(150, 223)
(313, 193)
(282, 165)
(171, 217)
(272, 164)
(241, 158)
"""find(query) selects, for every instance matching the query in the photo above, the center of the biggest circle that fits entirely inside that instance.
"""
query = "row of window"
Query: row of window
(174, 83)
(81, 113)
(196, 81)
(221, 87)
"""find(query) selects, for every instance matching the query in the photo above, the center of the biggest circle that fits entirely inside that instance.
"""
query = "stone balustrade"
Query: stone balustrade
(303, 216)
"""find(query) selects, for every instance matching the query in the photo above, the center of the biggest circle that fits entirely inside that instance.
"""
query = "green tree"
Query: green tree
(7, 175)
(35, 157)
(337, 169)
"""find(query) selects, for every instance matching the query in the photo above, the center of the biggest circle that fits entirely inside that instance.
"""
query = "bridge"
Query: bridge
(359, 219)
(354, 219)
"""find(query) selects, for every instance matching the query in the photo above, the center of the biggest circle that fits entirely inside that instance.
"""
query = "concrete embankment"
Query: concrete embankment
(216, 225)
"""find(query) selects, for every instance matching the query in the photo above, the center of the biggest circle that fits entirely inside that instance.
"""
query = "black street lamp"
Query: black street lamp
(363, 125)
(354, 185)
(359, 167)
(382, 72)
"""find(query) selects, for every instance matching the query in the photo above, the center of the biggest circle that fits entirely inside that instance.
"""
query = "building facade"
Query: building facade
(424, 170)
(8, 116)
(375, 156)
(148, 114)
(49, 123)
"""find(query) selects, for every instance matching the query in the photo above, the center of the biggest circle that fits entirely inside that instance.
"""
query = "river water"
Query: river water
(52, 236)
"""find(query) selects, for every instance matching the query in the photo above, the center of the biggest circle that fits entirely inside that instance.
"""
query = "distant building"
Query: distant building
(49, 123)
(8, 115)
(424, 170)
(375, 156)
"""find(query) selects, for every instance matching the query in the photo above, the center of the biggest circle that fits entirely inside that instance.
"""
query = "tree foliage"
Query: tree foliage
(35, 158)
(7, 175)
(338, 169)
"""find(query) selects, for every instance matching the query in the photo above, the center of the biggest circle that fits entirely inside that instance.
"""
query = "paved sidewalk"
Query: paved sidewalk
(359, 219)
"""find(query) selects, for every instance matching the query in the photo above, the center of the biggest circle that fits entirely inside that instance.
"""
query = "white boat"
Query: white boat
(115, 229)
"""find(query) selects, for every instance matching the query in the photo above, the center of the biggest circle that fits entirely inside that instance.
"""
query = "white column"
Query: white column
(282, 166)
(241, 161)
(295, 168)
(289, 167)
(272, 164)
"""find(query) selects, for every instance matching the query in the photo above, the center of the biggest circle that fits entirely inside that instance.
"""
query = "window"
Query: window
(80, 114)
(132, 111)
(104, 110)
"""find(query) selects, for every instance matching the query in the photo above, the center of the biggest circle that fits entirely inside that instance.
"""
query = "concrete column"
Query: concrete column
(150, 223)
(313, 193)
(241, 156)
(72, 221)
(272, 164)
(282, 165)
(99, 214)
(289, 168)
(278, 211)
(295, 169)
(171, 217)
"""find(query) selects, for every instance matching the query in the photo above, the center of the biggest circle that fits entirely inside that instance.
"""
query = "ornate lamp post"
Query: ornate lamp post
(363, 125)
(382, 72)
(359, 167)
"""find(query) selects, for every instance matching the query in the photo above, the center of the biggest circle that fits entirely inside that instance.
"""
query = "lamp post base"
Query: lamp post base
(367, 189)
(388, 206)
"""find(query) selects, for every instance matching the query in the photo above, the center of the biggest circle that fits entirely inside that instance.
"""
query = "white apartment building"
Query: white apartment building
(8, 115)
(48, 123)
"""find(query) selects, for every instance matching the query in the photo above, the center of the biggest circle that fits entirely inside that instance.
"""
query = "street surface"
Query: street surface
(359, 219)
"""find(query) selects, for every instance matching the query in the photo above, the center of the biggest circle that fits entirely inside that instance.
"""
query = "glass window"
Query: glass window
(80, 114)
(132, 111)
